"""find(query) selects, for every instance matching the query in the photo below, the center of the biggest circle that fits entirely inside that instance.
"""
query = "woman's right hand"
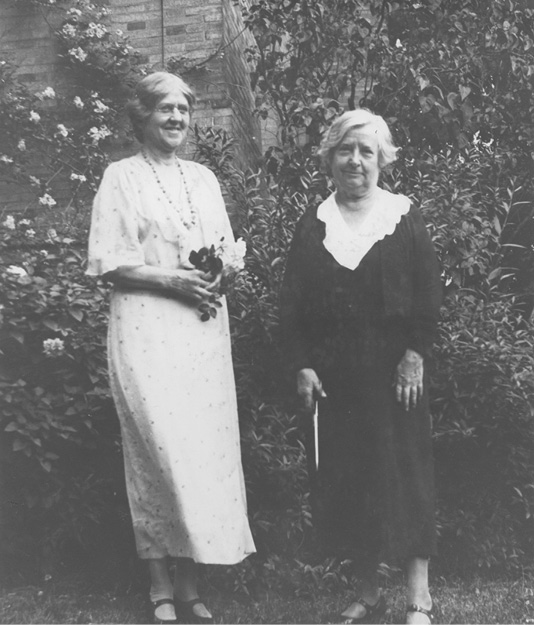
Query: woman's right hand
(309, 388)
(193, 284)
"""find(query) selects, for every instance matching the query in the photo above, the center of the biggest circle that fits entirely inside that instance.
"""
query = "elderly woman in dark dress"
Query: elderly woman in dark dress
(359, 309)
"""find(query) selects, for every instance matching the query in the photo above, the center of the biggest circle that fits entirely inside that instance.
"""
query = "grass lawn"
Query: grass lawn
(86, 597)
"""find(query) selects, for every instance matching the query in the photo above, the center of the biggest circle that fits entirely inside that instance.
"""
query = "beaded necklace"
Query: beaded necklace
(192, 220)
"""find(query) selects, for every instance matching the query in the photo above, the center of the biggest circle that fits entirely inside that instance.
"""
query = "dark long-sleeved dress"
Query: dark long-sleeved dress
(373, 495)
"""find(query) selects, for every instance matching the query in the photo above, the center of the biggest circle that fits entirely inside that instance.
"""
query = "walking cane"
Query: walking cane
(316, 434)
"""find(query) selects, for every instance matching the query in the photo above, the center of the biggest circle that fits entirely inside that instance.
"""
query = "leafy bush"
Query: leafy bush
(483, 382)
(60, 443)
(56, 142)
(484, 429)
(61, 456)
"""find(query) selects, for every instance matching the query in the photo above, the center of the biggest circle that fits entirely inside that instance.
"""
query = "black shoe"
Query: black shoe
(373, 613)
(414, 607)
(186, 614)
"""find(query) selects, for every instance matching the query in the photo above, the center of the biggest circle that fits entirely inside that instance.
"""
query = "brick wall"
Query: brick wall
(207, 34)
(25, 39)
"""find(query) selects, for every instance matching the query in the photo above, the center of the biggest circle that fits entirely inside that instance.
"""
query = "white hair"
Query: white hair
(387, 152)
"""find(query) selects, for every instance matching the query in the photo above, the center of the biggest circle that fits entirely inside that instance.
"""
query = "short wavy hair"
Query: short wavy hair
(149, 91)
(387, 152)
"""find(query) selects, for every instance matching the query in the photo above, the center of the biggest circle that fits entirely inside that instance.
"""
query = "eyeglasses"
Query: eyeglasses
(168, 109)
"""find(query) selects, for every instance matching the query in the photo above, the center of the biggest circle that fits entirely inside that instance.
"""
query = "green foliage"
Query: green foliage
(484, 428)
(459, 68)
(57, 443)
(56, 142)
(483, 378)
(455, 82)
(446, 75)
(97, 58)
(62, 467)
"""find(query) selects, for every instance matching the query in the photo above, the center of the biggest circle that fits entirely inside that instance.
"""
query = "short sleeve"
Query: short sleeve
(114, 235)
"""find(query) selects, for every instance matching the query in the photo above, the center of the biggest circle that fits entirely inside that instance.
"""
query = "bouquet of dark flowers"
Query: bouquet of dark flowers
(212, 260)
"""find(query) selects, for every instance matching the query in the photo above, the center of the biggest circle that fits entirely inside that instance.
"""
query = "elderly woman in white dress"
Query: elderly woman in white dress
(170, 371)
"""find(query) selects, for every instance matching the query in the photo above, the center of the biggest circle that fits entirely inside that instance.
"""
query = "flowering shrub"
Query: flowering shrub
(56, 400)
(66, 135)
(61, 456)
(69, 156)
(94, 54)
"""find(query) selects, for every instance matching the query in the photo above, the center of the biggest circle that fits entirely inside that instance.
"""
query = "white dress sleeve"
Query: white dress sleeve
(114, 236)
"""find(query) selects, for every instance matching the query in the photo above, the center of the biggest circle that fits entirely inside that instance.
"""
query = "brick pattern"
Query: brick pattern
(207, 33)
(25, 40)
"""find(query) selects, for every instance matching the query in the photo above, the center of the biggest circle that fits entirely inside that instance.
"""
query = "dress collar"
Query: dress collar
(349, 247)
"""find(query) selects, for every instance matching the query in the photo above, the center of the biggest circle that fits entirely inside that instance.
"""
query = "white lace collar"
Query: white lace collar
(349, 247)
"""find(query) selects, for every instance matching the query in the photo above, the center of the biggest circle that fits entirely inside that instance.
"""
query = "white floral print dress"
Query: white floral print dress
(171, 374)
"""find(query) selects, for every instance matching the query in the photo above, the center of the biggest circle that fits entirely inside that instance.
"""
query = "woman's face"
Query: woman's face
(166, 129)
(355, 162)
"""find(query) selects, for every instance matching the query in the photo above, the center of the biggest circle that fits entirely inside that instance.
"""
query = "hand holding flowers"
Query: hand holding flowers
(221, 263)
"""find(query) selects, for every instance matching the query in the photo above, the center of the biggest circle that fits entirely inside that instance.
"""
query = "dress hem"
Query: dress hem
(229, 562)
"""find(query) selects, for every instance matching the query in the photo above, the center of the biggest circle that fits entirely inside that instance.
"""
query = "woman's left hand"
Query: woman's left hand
(215, 284)
(409, 379)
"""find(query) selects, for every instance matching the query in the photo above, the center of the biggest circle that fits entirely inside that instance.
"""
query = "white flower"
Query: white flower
(9, 222)
(14, 270)
(78, 53)
(47, 200)
(69, 30)
(35, 117)
(52, 235)
(35, 181)
(62, 130)
(97, 134)
(30, 233)
(43, 253)
(74, 11)
(53, 347)
(5, 159)
(119, 32)
(100, 107)
(235, 254)
(48, 93)
(96, 30)
(79, 177)
(240, 247)
(78, 103)
(24, 222)
(21, 145)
